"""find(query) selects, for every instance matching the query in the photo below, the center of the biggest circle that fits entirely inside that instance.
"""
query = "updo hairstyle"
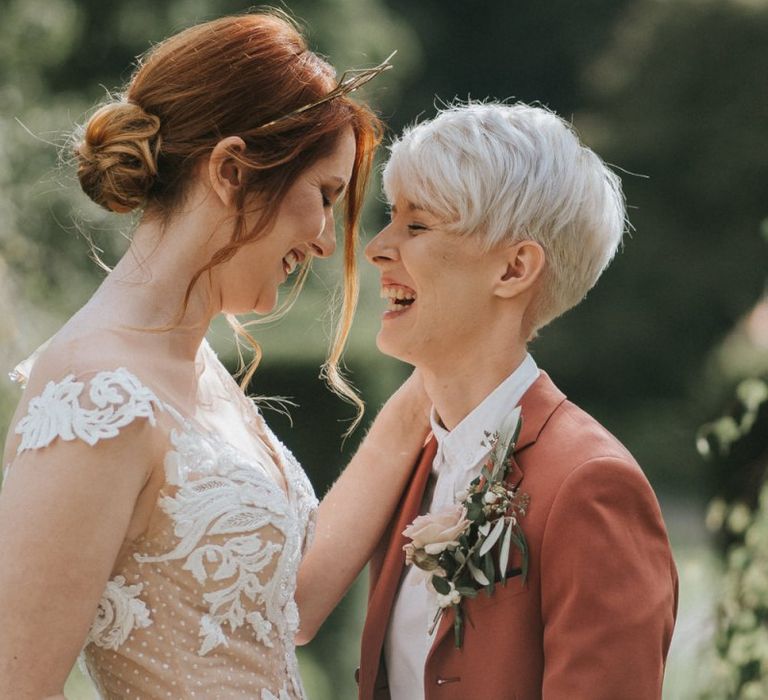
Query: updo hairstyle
(240, 76)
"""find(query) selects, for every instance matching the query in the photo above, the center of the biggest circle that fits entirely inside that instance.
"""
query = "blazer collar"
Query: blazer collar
(537, 405)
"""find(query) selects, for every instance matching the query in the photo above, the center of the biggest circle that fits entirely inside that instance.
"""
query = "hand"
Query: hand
(413, 400)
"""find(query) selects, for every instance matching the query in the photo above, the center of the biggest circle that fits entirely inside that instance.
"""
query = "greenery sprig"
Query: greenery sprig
(466, 549)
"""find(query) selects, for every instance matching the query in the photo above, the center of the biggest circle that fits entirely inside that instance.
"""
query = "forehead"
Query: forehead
(341, 159)
(402, 203)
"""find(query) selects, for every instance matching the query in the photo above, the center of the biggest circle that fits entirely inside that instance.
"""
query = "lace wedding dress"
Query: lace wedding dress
(201, 602)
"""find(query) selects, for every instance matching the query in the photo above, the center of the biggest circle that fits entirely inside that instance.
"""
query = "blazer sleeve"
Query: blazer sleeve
(609, 586)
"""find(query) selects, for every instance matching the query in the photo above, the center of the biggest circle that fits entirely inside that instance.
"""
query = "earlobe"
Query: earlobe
(225, 169)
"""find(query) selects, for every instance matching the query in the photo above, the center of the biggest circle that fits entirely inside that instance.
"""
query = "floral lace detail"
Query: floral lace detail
(120, 611)
(218, 492)
(307, 502)
(261, 626)
(118, 396)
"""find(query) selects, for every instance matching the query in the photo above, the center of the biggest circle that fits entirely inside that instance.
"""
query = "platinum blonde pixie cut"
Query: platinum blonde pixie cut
(511, 172)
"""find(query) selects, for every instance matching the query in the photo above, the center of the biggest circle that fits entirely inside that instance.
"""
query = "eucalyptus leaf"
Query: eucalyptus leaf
(477, 574)
(494, 535)
(474, 511)
(510, 429)
(458, 627)
(524, 551)
(488, 567)
(504, 553)
(484, 529)
(441, 585)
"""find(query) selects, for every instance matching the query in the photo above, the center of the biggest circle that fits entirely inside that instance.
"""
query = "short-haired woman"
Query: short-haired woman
(501, 221)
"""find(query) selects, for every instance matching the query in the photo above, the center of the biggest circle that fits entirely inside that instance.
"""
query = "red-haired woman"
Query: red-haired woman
(148, 513)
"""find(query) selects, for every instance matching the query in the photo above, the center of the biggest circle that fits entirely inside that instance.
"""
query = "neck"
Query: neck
(458, 387)
(146, 288)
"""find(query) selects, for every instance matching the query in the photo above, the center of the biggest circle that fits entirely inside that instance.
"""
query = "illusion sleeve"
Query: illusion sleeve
(78, 455)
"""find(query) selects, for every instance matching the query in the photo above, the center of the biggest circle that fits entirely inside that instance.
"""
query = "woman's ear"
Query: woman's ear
(522, 265)
(225, 168)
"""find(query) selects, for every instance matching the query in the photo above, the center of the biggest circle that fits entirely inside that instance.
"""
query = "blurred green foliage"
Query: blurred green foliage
(738, 444)
(672, 90)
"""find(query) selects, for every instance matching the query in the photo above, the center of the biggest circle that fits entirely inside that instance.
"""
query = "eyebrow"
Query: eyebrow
(412, 206)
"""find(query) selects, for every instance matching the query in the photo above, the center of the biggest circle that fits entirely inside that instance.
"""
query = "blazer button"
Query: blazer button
(443, 681)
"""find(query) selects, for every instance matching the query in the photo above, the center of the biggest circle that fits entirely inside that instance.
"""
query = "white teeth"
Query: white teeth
(393, 295)
(396, 293)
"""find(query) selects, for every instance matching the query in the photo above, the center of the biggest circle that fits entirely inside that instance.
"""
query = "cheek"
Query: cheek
(304, 215)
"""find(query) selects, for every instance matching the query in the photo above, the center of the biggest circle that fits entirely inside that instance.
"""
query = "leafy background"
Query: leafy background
(673, 92)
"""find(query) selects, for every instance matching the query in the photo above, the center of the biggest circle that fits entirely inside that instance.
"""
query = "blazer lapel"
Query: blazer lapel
(385, 587)
(537, 405)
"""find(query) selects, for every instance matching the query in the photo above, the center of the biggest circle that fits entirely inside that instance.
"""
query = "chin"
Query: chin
(264, 309)
(264, 306)
(391, 347)
(260, 306)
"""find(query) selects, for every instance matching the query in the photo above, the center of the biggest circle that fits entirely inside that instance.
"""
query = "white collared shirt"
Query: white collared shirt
(458, 460)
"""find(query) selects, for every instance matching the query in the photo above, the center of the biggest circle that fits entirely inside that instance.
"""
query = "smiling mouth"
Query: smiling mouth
(398, 298)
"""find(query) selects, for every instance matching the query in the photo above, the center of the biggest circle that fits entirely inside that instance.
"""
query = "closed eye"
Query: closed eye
(417, 227)
(335, 194)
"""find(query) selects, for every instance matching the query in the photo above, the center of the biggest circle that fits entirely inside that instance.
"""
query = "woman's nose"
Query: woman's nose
(325, 244)
(380, 248)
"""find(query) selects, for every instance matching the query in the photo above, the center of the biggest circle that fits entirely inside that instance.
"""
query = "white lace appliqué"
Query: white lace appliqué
(118, 398)
(219, 493)
(120, 611)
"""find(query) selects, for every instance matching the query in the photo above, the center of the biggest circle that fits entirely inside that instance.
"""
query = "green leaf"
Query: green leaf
(467, 592)
(441, 585)
(524, 551)
(458, 626)
(509, 431)
(477, 574)
(518, 428)
(488, 568)
(474, 511)
(494, 535)
(504, 553)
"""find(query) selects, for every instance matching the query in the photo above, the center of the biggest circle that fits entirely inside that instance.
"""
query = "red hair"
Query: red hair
(230, 77)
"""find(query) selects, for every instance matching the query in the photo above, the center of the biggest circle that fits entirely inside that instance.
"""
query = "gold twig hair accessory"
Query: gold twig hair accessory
(351, 80)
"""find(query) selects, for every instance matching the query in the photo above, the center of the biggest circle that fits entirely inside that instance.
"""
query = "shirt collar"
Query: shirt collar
(461, 447)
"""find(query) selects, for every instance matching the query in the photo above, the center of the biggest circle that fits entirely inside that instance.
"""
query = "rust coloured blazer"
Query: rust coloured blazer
(594, 620)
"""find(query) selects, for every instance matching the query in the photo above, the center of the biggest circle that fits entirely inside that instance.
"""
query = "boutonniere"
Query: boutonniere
(456, 548)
